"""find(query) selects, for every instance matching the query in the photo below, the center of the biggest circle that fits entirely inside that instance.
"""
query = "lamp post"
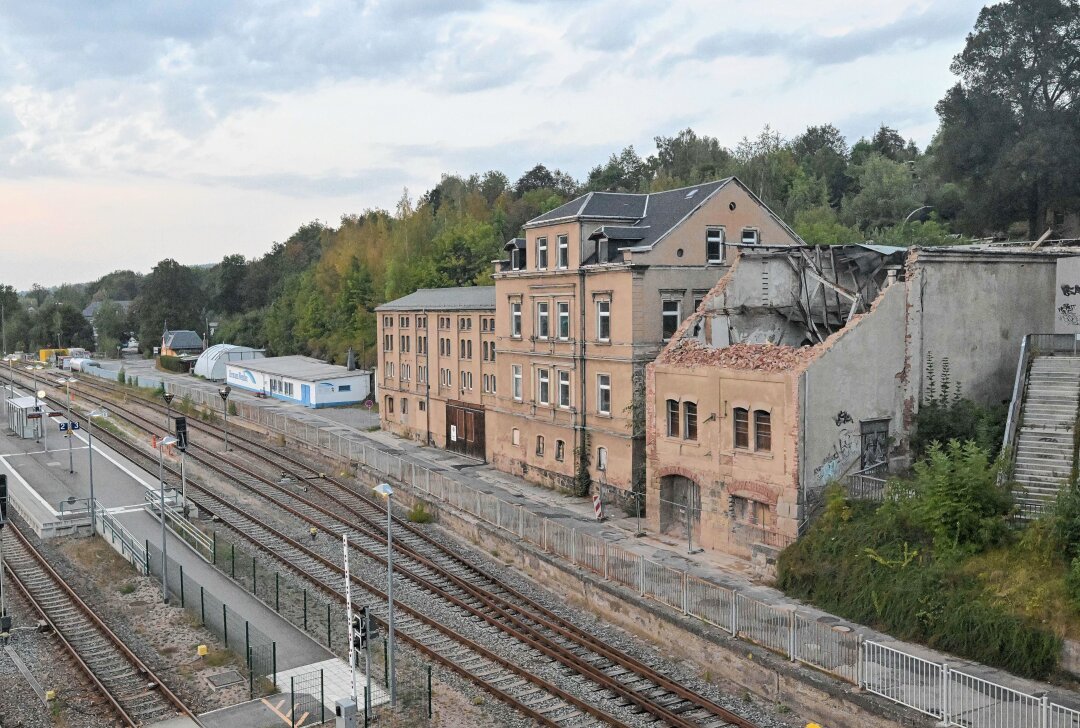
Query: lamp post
(161, 445)
(33, 373)
(10, 359)
(224, 392)
(168, 409)
(385, 490)
(67, 382)
(90, 454)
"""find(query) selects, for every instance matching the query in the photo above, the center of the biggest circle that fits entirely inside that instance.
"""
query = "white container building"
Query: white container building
(300, 379)
(211, 363)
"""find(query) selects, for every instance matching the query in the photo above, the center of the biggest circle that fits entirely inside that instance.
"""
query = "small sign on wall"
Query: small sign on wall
(453, 433)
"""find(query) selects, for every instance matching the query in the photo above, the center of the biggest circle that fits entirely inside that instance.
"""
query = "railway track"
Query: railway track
(433, 571)
(136, 695)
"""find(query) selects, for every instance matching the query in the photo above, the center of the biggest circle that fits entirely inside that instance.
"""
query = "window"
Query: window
(421, 345)
(515, 436)
(564, 389)
(563, 254)
(468, 348)
(389, 405)
(543, 326)
(742, 428)
(714, 245)
(560, 450)
(493, 390)
(690, 420)
(541, 253)
(543, 386)
(421, 322)
(762, 430)
(601, 458)
(461, 349)
(564, 319)
(344, 388)
(603, 320)
(421, 374)
(749, 511)
(404, 406)
(515, 319)
(388, 321)
(403, 322)
(406, 343)
(515, 375)
(483, 350)
(540, 445)
(484, 383)
(603, 394)
(389, 370)
(750, 236)
(423, 406)
(406, 371)
(671, 318)
(672, 418)
(388, 342)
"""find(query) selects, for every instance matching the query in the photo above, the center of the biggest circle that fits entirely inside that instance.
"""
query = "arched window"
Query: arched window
(690, 420)
(389, 405)
(672, 418)
(560, 450)
(540, 445)
(762, 430)
(404, 406)
(742, 427)
(601, 458)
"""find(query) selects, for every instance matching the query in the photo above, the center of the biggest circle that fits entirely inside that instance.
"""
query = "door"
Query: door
(875, 443)
(465, 429)
(305, 394)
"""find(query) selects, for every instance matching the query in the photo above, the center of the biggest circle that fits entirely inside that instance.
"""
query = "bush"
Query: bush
(173, 364)
(420, 514)
(944, 415)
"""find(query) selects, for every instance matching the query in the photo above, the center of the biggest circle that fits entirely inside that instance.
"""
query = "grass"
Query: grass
(217, 658)
(420, 514)
(128, 588)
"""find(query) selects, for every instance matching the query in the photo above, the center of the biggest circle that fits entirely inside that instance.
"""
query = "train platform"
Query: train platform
(44, 491)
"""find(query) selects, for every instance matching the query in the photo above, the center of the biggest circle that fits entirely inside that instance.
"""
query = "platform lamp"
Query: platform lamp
(168, 397)
(102, 412)
(224, 392)
(161, 445)
(33, 373)
(67, 382)
(387, 492)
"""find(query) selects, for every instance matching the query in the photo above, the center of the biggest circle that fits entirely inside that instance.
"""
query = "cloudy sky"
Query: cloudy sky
(135, 131)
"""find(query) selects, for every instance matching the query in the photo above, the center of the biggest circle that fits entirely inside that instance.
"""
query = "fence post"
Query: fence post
(247, 643)
(305, 610)
(946, 717)
(521, 522)
(641, 574)
(182, 604)
(430, 713)
(225, 622)
(1044, 712)
(734, 613)
(545, 536)
(793, 637)
(322, 690)
(277, 591)
(273, 656)
(328, 644)
(146, 553)
(386, 663)
(685, 600)
(292, 701)
(202, 605)
(233, 559)
(860, 670)
(573, 545)
(253, 578)
(367, 707)
(214, 547)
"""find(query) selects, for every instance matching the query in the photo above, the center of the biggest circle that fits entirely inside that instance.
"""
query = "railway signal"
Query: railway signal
(5, 620)
(3, 500)
(180, 427)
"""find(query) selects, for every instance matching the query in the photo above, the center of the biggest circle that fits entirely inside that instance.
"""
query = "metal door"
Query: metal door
(465, 429)
(305, 394)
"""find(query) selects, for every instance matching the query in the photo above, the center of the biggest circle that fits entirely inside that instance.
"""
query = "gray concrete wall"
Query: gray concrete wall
(976, 310)
(858, 378)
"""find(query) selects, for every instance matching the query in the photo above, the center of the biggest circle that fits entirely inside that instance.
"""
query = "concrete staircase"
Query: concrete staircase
(1044, 449)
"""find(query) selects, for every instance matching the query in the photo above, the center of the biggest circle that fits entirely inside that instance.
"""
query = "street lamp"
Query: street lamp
(37, 393)
(224, 392)
(67, 382)
(90, 454)
(386, 491)
(161, 445)
(168, 409)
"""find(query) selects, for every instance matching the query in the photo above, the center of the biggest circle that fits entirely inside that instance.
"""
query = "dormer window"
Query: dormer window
(517, 259)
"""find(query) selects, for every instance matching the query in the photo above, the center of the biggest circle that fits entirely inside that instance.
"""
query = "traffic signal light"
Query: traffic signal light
(360, 630)
(181, 433)
(3, 500)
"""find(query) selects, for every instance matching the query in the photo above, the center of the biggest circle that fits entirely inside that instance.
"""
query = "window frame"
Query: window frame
(541, 253)
(601, 459)
(689, 421)
(543, 386)
(541, 446)
(563, 383)
(562, 315)
(516, 378)
(673, 415)
(560, 450)
(603, 384)
(721, 252)
(740, 415)
(762, 420)
(603, 319)
(754, 233)
(665, 315)
(515, 319)
(543, 320)
(562, 252)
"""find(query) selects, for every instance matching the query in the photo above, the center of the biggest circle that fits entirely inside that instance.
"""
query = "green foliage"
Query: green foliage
(420, 514)
(820, 226)
(173, 364)
(910, 234)
(899, 566)
(944, 416)
(171, 296)
(885, 196)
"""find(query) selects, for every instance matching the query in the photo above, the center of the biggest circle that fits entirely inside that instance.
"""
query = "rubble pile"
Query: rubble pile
(759, 357)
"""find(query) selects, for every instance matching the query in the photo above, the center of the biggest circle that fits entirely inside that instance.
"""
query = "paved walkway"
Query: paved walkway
(574, 512)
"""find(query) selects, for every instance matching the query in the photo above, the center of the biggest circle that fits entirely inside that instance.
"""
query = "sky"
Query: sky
(193, 129)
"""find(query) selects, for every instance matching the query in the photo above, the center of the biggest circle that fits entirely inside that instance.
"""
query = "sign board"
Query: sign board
(453, 433)
(75, 425)
(33, 415)
(56, 414)
(63, 427)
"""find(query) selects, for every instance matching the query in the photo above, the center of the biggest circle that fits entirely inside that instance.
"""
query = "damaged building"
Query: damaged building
(804, 365)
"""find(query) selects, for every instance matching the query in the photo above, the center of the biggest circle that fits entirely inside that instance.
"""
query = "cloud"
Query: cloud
(912, 30)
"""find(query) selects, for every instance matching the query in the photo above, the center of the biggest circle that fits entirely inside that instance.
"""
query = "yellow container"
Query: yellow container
(202, 650)
(50, 695)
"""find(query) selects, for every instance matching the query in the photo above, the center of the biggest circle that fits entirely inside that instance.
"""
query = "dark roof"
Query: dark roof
(95, 306)
(181, 339)
(512, 243)
(464, 298)
(645, 218)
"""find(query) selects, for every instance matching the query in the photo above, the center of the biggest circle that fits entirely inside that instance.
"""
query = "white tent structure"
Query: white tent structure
(211, 363)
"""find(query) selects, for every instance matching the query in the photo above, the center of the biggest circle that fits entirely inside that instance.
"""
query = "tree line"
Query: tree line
(999, 166)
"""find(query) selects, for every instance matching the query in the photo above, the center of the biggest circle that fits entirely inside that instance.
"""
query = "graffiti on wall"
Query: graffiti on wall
(1067, 313)
(844, 448)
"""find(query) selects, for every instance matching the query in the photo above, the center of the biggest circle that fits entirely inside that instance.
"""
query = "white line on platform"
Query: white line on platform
(108, 457)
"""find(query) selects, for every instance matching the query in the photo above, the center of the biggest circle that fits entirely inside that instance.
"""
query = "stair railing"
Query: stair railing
(1012, 422)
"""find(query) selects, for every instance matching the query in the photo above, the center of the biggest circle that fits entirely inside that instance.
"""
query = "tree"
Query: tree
(821, 151)
(624, 172)
(1009, 128)
(113, 326)
(886, 193)
(228, 294)
(540, 177)
(687, 159)
(170, 296)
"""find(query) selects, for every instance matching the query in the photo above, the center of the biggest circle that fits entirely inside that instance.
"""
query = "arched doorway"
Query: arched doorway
(680, 506)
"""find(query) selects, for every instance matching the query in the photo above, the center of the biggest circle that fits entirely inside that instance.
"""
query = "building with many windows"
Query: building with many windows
(436, 370)
(584, 301)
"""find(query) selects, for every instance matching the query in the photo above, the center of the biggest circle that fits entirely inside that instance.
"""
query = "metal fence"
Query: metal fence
(257, 651)
(903, 678)
(307, 698)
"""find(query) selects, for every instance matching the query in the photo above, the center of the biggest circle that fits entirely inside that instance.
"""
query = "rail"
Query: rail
(1012, 421)
(199, 541)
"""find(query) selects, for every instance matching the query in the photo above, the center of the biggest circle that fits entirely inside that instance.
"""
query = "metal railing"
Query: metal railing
(835, 649)
(866, 484)
(1012, 421)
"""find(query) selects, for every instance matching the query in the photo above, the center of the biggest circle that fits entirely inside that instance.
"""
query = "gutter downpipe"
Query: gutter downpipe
(581, 361)
(427, 379)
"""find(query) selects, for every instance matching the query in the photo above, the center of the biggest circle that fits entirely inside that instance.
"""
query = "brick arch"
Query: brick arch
(754, 490)
(677, 470)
